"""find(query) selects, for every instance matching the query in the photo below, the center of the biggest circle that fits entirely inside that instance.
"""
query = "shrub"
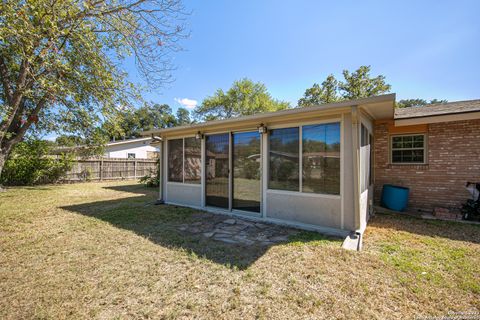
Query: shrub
(152, 179)
(252, 169)
(29, 164)
(471, 210)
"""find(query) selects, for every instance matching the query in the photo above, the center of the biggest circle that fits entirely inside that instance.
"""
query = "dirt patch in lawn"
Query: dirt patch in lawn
(104, 250)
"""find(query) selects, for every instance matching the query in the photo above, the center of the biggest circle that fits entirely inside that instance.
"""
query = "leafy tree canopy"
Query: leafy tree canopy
(130, 124)
(318, 94)
(406, 103)
(59, 61)
(245, 97)
(183, 117)
(357, 84)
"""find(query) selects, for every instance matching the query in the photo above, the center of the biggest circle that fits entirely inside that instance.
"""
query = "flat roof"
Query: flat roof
(377, 106)
(114, 143)
(439, 109)
(111, 143)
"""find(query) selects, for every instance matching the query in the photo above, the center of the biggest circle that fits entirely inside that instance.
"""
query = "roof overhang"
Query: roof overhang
(378, 107)
(438, 118)
(383, 110)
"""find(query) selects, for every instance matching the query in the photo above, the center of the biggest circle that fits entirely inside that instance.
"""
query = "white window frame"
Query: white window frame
(300, 161)
(391, 149)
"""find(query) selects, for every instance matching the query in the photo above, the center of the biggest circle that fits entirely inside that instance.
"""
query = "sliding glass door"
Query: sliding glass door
(246, 171)
(243, 160)
(217, 163)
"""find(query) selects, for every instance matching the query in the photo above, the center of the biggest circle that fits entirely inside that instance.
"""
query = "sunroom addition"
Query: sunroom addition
(301, 167)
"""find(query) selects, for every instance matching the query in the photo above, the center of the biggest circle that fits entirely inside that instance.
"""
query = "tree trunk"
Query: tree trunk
(3, 158)
(4, 154)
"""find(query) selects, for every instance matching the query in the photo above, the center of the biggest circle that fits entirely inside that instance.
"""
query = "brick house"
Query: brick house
(433, 150)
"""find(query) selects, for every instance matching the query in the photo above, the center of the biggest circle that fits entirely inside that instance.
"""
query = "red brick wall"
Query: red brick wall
(453, 159)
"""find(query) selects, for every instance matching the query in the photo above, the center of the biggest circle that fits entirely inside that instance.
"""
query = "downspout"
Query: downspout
(356, 173)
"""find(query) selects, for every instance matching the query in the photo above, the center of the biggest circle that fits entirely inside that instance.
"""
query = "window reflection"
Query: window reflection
(193, 160)
(284, 159)
(321, 158)
(217, 170)
(246, 171)
(175, 160)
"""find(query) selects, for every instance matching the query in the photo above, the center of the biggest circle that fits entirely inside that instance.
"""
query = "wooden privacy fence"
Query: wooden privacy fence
(109, 169)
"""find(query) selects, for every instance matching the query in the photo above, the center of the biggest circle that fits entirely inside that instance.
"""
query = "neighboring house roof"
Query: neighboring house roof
(111, 143)
(438, 109)
(119, 142)
(437, 113)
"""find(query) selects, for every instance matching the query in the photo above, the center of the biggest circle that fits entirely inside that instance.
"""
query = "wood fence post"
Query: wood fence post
(101, 169)
(135, 169)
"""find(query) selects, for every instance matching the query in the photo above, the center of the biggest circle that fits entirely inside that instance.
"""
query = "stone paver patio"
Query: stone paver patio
(236, 230)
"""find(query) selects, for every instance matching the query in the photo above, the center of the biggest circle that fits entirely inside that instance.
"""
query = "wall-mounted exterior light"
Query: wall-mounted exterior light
(262, 128)
(156, 138)
(199, 135)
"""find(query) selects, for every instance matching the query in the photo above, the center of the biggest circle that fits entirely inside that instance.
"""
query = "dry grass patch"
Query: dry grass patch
(103, 250)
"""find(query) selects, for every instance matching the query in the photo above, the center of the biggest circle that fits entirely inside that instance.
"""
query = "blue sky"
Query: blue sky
(425, 49)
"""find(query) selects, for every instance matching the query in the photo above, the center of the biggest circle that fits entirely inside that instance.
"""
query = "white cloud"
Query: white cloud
(187, 103)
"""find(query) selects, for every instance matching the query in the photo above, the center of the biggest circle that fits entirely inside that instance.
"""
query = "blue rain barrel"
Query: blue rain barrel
(395, 197)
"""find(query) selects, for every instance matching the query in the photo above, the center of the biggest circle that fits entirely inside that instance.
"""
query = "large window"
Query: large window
(408, 149)
(175, 160)
(320, 165)
(321, 158)
(192, 160)
(284, 159)
(184, 160)
(366, 158)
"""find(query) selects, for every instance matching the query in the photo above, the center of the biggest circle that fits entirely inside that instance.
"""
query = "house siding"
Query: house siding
(453, 158)
(305, 208)
(141, 149)
(186, 194)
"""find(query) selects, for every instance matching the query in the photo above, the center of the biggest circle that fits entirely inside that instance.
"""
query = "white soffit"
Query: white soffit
(380, 110)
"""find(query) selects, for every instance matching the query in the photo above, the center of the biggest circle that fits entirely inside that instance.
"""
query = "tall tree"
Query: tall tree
(162, 117)
(183, 117)
(59, 61)
(357, 84)
(245, 97)
(407, 103)
(437, 101)
(326, 93)
(131, 123)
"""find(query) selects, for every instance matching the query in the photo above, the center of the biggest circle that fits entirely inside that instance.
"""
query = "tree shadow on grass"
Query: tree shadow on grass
(433, 228)
(162, 224)
(32, 188)
(134, 188)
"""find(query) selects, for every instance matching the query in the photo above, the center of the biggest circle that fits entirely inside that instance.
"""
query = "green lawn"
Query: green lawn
(103, 250)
